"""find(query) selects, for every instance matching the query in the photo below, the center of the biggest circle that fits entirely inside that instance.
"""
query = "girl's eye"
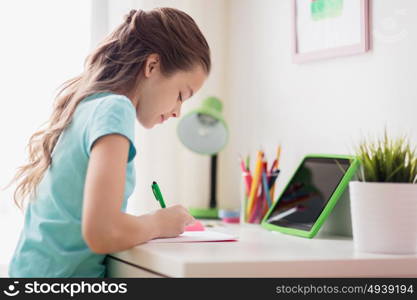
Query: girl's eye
(180, 97)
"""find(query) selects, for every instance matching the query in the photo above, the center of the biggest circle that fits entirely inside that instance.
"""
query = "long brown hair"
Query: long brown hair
(114, 66)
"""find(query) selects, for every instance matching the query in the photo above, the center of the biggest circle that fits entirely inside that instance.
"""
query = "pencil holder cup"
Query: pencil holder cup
(254, 208)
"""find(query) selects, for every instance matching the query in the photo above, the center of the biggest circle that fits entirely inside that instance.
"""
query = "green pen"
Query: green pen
(158, 195)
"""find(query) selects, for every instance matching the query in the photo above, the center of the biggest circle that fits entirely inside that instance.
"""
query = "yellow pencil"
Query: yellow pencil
(255, 183)
(278, 155)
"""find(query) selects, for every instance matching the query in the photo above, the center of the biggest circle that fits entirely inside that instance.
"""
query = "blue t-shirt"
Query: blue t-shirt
(51, 243)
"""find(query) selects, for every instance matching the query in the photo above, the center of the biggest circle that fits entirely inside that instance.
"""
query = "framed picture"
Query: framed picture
(329, 28)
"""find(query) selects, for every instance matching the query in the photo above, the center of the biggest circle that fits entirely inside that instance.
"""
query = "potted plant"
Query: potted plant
(384, 200)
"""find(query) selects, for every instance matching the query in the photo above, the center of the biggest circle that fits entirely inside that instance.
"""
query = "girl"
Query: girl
(80, 171)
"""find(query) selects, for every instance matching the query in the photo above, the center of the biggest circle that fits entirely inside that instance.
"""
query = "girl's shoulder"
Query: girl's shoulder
(105, 106)
(109, 113)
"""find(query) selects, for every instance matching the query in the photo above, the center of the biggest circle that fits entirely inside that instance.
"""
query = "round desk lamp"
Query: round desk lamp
(204, 131)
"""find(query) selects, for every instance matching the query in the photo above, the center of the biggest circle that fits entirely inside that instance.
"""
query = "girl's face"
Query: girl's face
(158, 98)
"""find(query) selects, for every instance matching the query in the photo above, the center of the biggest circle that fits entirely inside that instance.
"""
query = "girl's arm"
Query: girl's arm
(105, 228)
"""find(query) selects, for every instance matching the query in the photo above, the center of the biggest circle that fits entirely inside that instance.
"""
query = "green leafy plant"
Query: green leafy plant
(387, 160)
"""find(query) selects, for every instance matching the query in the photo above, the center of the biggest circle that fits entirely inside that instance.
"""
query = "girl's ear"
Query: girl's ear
(151, 65)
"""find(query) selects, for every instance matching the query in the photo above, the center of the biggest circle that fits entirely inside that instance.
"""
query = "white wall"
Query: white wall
(322, 107)
(41, 48)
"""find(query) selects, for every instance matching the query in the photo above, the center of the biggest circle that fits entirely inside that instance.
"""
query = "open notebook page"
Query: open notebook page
(198, 236)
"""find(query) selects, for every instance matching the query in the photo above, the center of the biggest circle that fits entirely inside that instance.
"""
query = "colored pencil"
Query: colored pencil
(266, 189)
(278, 155)
(247, 163)
(255, 182)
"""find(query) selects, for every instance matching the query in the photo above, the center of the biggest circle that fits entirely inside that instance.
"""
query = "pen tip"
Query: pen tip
(153, 182)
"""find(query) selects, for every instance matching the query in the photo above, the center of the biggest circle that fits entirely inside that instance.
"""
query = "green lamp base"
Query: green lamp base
(204, 213)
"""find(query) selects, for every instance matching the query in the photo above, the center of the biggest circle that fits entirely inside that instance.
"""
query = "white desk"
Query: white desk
(259, 253)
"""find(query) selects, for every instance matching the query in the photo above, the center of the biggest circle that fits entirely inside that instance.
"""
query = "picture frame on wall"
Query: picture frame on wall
(329, 28)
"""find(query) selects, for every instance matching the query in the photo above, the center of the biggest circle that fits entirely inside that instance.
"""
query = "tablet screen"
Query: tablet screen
(308, 192)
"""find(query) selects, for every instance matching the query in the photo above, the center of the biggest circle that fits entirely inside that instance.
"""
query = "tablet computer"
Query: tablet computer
(310, 195)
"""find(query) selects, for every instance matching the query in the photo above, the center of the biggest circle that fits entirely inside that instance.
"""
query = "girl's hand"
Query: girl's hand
(171, 221)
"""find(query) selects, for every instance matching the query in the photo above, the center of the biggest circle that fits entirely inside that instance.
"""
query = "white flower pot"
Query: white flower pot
(384, 217)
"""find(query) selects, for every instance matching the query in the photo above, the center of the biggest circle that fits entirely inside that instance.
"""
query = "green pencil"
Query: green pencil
(158, 195)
